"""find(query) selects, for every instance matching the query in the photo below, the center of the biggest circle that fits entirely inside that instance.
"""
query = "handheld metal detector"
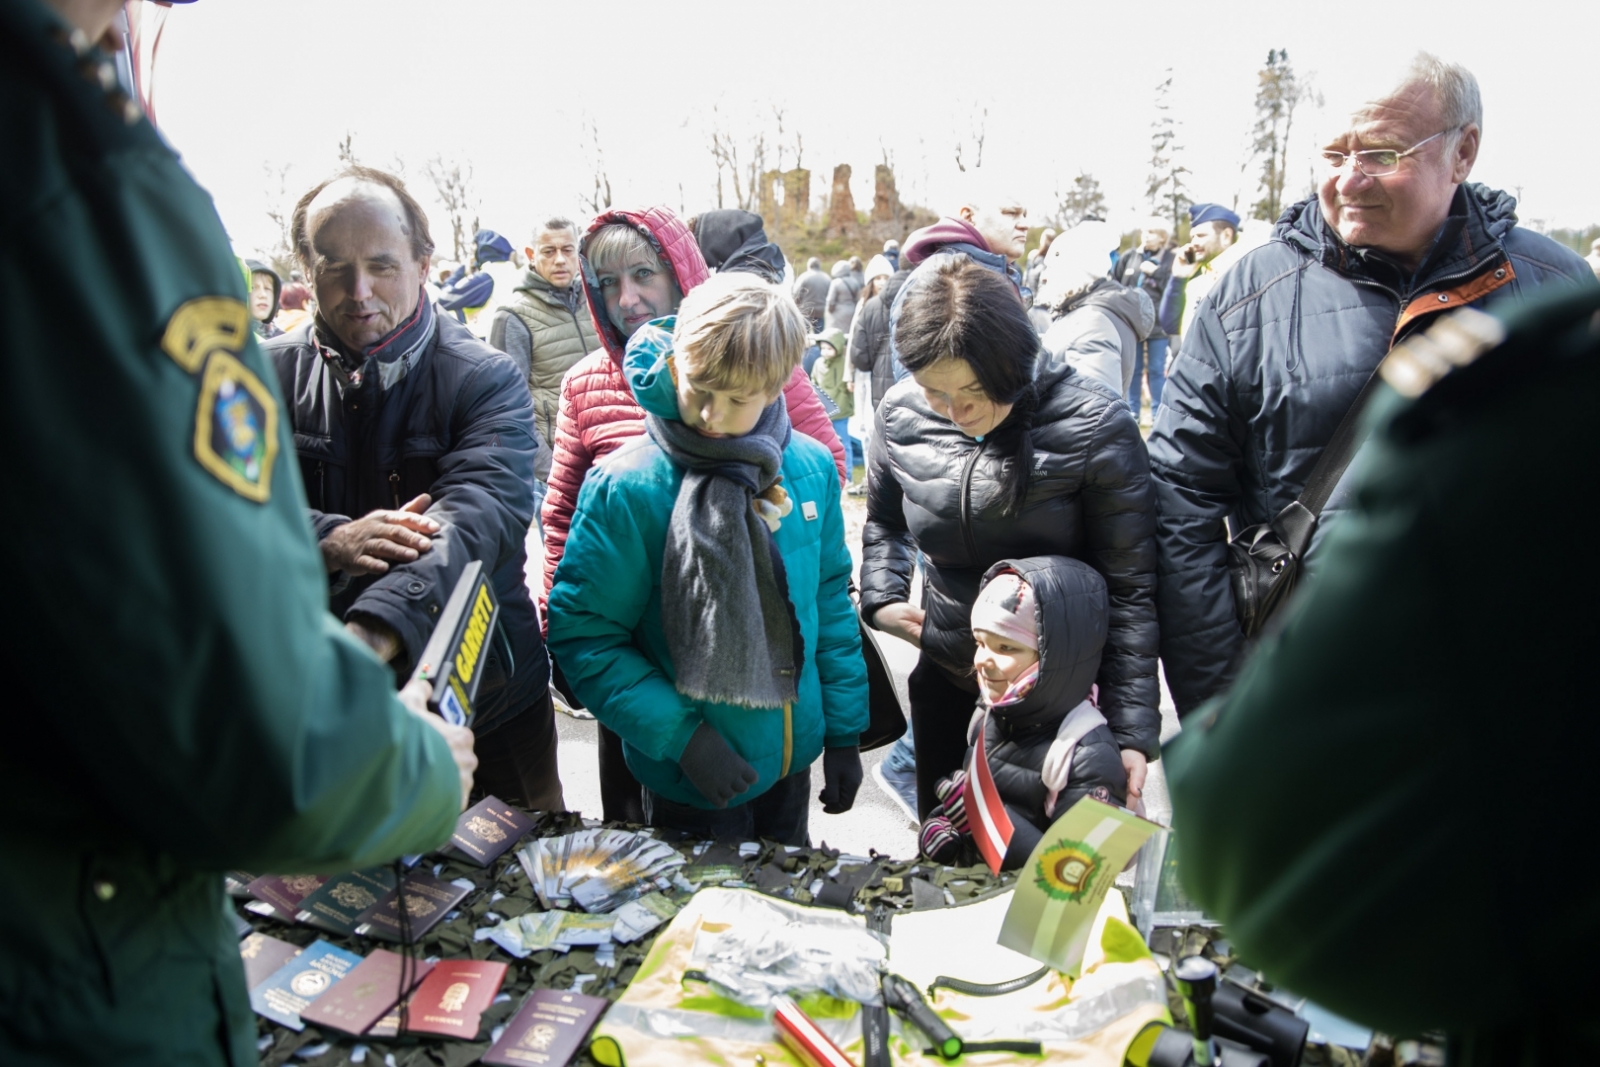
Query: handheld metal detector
(456, 653)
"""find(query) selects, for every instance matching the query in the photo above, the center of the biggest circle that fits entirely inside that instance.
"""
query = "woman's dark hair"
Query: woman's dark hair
(962, 310)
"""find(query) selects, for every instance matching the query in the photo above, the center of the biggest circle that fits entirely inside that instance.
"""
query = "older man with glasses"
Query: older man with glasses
(1279, 350)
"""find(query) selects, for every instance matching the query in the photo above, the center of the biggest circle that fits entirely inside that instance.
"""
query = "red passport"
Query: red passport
(549, 1029)
(370, 989)
(450, 1000)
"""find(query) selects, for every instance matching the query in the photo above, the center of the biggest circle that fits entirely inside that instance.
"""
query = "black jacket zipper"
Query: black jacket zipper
(966, 502)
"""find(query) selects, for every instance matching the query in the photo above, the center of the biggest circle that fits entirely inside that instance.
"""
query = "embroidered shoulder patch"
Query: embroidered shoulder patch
(236, 428)
(205, 325)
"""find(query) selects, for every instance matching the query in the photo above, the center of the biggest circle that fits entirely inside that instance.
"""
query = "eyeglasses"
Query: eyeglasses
(1375, 162)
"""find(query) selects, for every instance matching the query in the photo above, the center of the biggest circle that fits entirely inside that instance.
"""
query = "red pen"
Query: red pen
(803, 1037)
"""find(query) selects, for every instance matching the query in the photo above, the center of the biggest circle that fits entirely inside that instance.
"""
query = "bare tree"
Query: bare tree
(453, 185)
(280, 211)
(1165, 188)
(744, 174)
(600, 199)
(347, 152)
(979, 122)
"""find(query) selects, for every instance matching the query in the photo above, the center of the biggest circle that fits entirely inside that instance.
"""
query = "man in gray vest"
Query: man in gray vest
(545, 326)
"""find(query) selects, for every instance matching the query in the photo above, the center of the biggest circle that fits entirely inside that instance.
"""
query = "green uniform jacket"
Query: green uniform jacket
(605, 611)
(1387, 810)
(180, 701)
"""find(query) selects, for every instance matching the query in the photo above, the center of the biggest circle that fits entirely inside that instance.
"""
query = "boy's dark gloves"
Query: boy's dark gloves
(714, 768)
(841, 777)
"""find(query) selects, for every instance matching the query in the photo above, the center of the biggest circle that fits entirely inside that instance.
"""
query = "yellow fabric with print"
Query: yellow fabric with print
(660, 1020)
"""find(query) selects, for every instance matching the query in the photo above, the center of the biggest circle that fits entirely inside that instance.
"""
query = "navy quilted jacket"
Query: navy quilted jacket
(1275, 357)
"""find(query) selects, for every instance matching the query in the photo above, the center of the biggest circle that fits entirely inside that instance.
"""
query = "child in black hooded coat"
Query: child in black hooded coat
(1040, 624)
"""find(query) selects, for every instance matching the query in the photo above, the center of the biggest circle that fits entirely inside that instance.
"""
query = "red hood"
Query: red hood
(674, 243)
(928, 240)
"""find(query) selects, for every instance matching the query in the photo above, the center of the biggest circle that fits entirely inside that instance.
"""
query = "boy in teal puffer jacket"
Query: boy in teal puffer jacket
(701, 609)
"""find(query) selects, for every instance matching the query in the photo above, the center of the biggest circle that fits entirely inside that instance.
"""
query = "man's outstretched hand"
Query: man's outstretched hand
(368, 545)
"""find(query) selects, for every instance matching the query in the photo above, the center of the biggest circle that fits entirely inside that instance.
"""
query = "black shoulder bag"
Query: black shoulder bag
(1264, 560)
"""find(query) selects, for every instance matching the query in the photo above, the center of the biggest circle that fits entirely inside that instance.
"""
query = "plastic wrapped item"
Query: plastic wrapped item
(759, 948)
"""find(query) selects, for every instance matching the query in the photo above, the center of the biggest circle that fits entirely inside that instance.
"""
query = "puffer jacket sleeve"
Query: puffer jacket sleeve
(1119, 539)
(807, 415)
(1087, 341)
(840, 668)
(867, 334)
(601, 592)
(571, 461)
(1195, 457)
(888, 553)
(482, 499)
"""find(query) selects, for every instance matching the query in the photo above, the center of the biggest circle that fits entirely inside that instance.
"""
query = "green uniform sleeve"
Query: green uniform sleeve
(178, 675)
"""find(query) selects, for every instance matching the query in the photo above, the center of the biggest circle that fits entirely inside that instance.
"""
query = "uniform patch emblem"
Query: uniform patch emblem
(236, 428)
(205, 325)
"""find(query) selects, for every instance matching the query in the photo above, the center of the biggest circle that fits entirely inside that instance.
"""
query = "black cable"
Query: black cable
(996, 989)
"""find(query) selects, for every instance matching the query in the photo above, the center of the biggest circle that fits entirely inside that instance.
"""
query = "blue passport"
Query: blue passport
(292, 987)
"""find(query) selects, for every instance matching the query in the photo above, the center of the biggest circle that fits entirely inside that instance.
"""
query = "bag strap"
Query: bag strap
(1296, 522)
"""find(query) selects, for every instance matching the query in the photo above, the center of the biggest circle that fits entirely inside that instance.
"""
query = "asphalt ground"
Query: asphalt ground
(875, 823)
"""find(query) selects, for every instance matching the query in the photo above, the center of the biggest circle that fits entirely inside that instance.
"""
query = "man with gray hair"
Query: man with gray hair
(545, 326)
(1280, 348)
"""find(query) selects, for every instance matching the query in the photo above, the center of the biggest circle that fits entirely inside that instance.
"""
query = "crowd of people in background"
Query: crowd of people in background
(1033, 373)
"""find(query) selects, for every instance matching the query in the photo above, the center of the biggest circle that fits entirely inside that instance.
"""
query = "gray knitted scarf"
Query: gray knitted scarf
(725, 605)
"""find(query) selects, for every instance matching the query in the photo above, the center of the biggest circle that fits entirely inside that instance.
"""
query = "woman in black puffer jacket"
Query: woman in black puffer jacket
(982, 456)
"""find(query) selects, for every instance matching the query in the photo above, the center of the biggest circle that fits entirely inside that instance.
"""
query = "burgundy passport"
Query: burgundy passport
(549, 1029)
(364, 995)
(487, 829)
(427, 901)
(452, 998)
(285, 891)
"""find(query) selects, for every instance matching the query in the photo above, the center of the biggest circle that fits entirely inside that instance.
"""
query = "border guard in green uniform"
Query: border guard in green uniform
(180, 701)
(1388, 810)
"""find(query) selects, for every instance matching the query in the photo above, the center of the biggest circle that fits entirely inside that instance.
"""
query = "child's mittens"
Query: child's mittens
(939, 840)
(952, 793)
(714, 768)
(772, 504)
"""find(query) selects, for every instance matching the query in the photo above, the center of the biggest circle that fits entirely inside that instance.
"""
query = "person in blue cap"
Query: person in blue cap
(1213, 229)
(1275, 355)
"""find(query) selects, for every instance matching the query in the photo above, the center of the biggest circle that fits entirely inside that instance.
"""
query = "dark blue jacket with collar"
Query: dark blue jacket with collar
(1276, 355)
(458, 425)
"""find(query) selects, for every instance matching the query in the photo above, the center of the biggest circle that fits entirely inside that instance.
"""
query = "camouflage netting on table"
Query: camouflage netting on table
(817, 876)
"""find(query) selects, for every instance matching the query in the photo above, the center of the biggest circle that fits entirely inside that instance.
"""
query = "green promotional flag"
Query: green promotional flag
(1068, 874)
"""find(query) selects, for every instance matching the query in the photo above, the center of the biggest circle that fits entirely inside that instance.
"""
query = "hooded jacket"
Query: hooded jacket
(458, 425)
(734, 240)
(810, 291)
(953, 236)
(269, 327)
(545, 330)
(1276, 355)
(869, 343)
(844, 291)
(1071, 610)
(1099, 332)
(598, 412)
(933, 489)
(605, 607)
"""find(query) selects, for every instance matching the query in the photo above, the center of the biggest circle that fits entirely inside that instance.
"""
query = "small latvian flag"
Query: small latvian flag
(986, 812)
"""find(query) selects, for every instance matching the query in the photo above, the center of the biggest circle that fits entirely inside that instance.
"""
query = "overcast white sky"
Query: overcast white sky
(510, 87)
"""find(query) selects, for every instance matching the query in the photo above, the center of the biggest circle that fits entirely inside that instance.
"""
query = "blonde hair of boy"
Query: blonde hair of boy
(736, 332)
